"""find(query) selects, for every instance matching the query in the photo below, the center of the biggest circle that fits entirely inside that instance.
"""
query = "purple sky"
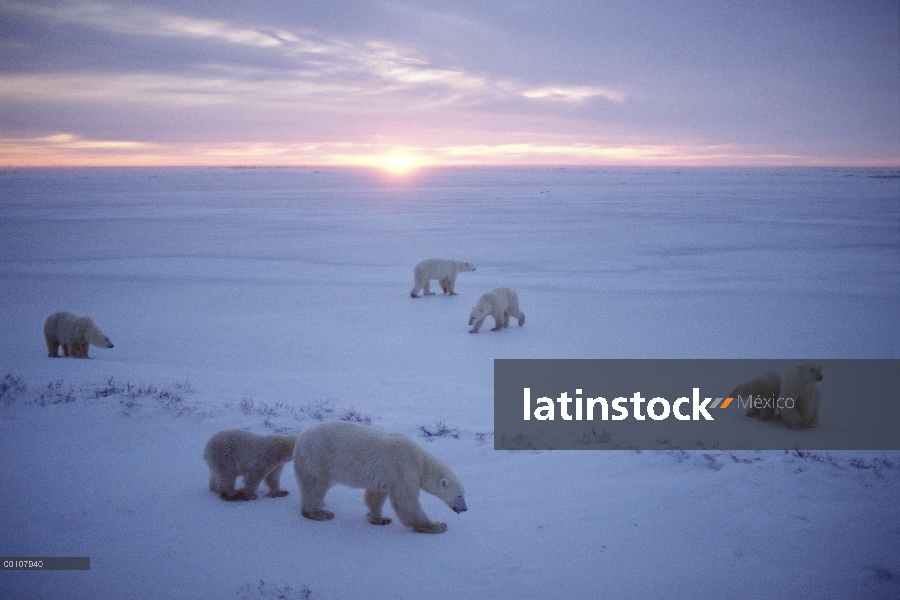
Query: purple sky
(250, 82)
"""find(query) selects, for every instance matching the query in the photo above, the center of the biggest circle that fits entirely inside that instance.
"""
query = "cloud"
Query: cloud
(573, 94)
(141, 20)
(302, 65)
(491, 82)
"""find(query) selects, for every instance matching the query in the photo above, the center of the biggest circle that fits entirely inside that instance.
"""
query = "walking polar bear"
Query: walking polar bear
(800, 384)
(763, 394)
(387, 465)
(444, 270)
(233, 453)
(501, 303)
(75, 334)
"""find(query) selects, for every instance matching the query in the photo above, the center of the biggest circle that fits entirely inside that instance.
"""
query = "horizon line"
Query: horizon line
(67, 150)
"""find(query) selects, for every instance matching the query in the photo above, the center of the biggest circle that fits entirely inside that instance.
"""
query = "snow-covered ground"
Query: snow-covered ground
(271, 299)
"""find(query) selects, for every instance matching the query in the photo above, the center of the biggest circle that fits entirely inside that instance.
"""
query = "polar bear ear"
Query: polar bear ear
(444, 483)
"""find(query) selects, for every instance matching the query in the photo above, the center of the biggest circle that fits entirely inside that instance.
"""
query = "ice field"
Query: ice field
(271, 299)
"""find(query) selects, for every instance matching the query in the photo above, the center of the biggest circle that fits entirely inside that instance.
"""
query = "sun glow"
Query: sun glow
(398, 164)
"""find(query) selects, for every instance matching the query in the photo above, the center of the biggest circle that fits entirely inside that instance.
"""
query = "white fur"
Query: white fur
(75, 334)
(501, 303)
(444, 270)
(233, 453)
(387, 465)
(800, 384)
(765, 386)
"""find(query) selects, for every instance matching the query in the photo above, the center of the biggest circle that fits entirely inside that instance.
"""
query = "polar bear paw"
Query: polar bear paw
(318, 515)
(379, 520)
(435, 527)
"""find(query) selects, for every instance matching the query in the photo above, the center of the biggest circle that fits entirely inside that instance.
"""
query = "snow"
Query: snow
(271, 298)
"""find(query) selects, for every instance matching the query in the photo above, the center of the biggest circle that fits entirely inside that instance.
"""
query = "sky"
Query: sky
(400, 84)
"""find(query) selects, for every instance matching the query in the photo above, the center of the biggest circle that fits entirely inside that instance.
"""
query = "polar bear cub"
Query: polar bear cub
(500, 303)
(75, 334)
(444, 270)
(387, 465)
(233, 453)
(800, 384)
(762, 393)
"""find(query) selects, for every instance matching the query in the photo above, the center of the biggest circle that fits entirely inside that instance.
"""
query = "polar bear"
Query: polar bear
(800, 385)
(231, 453)
(762, 393)
(387, 465)
(444, 270)
(75, 334)
(500, 303)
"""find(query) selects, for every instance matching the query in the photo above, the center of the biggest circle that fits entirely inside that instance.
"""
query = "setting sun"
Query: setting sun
(398, 164)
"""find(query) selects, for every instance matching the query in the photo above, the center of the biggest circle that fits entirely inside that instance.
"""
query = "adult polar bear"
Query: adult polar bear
(800, 384)
(442, 269)
(500, 303)
(75, 334)
(385, 464)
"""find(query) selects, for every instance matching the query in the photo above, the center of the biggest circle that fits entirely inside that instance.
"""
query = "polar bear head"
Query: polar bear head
(482, 309)
(451, 491)
(96, 338)
(93, 335)
(462, 267)
(440, 481)
(810, 372)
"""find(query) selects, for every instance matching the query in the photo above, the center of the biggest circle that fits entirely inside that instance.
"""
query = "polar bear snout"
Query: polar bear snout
(460, 505)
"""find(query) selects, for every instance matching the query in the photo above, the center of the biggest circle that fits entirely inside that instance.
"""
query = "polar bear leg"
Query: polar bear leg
(52, 349)
(375, 501)
(514, 311)
(477, 326)
(792, 417)
(65, 348)
(406, 504)
(312, 496)
(273, 481)
(222, 483)
(252, 479)
(448, 284)
(498, 322)
(421, 282)
(816, 402)
(766, 413)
